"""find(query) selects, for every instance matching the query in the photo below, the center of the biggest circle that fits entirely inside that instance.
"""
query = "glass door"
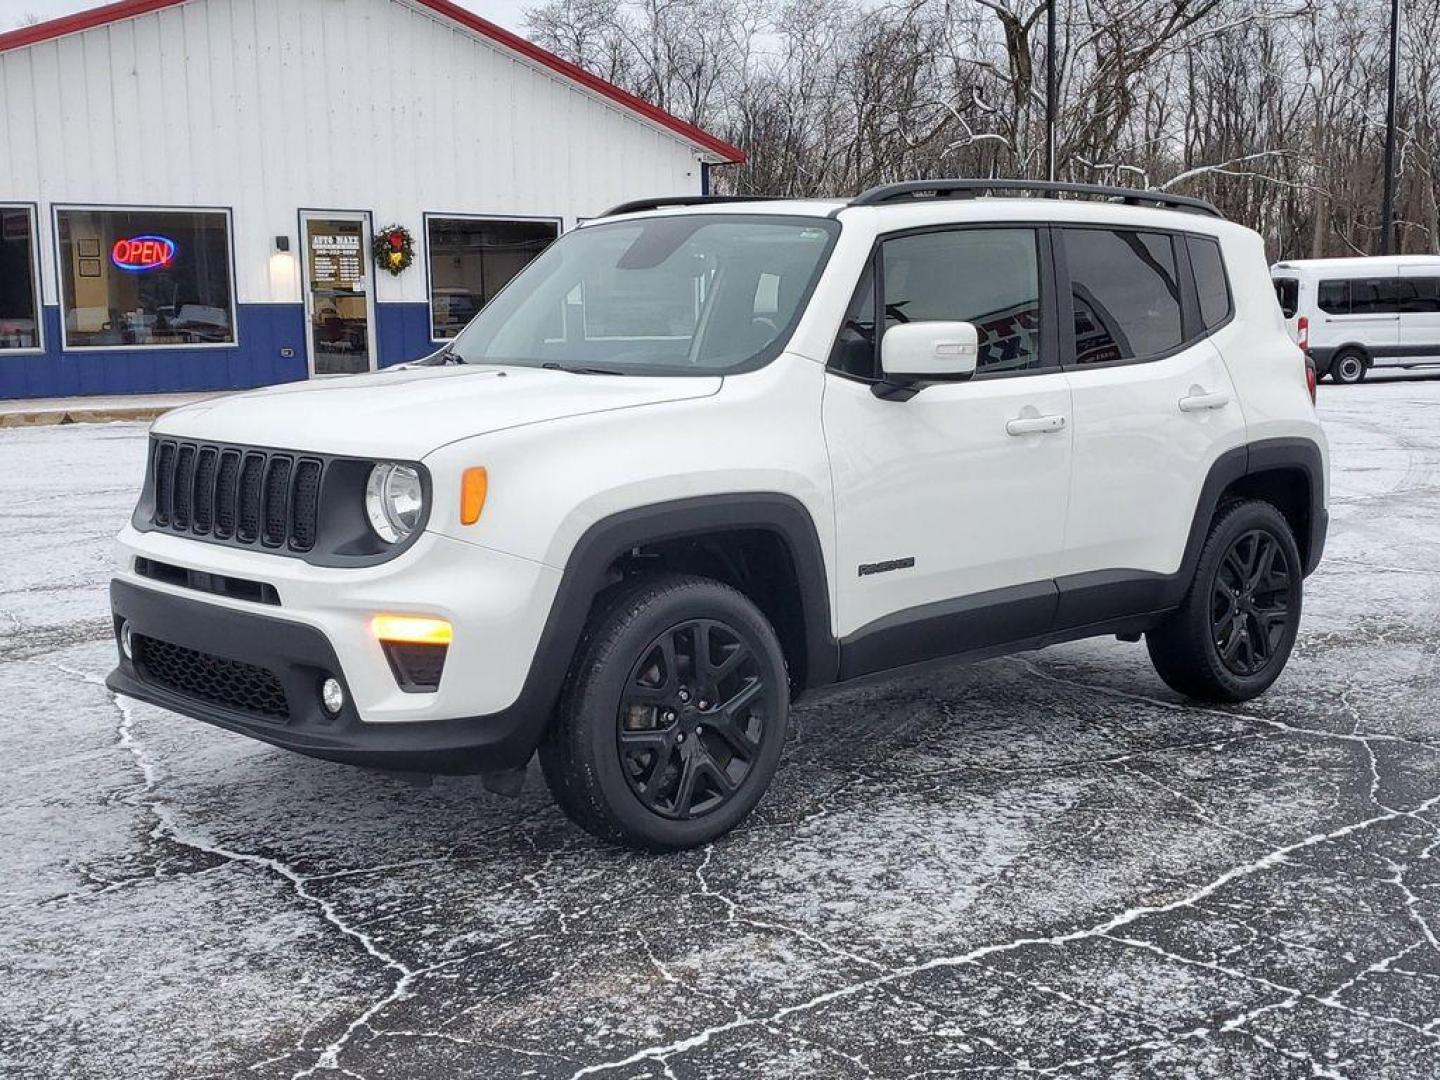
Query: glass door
(339, 297)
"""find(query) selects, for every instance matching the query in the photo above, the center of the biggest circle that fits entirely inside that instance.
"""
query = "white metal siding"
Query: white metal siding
(269, 106)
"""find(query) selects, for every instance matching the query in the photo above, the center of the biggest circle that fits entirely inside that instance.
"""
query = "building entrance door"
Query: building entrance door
(339, 292)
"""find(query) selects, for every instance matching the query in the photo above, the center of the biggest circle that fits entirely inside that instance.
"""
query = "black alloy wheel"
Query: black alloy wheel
(672, 721)
(692, 719)
(1250, 602)
(1233, 633)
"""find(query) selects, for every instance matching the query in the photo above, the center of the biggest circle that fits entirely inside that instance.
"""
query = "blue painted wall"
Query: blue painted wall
(402, 332)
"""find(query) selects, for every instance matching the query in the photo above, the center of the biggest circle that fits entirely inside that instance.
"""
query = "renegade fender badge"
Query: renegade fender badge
(866, 569)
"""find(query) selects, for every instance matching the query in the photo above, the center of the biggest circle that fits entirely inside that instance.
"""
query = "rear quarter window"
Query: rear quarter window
(1211, 283)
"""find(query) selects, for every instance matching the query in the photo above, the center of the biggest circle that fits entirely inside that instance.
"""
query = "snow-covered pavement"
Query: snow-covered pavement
(1044, 864)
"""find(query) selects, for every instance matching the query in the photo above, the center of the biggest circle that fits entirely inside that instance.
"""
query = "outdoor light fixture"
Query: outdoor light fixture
(282, 243)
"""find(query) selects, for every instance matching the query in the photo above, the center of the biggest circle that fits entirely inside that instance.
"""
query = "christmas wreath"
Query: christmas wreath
(394, 249)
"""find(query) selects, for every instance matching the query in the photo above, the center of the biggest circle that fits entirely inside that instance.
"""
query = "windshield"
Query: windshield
(693, 294)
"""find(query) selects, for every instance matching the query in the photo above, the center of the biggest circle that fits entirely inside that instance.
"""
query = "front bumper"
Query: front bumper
(487, 714)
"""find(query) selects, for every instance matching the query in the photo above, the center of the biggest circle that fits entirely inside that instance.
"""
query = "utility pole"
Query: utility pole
(1052, 85)
(1387, 206)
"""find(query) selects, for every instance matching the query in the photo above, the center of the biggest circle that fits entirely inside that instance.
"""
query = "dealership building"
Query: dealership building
(212, 194)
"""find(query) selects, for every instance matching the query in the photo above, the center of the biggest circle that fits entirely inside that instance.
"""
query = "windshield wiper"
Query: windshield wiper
(447, 355)
(551, 365)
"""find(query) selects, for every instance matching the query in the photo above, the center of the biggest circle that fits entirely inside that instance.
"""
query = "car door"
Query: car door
(1419, 303)
(1153, 409)
(950, 506)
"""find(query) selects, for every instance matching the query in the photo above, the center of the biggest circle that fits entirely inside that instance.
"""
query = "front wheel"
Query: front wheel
(1232, 636)
(672, 722)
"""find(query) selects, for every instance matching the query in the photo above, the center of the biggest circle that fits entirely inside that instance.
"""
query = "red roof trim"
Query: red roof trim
(129, 9)
(84, 20)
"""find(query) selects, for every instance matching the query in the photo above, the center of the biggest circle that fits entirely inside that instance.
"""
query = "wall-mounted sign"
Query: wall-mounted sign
(140, 253)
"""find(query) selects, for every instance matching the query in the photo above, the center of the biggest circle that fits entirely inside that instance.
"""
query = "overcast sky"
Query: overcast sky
(508, 13)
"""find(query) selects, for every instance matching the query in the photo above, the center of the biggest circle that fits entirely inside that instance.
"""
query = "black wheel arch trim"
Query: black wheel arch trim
(610, 538)
(1366, 352)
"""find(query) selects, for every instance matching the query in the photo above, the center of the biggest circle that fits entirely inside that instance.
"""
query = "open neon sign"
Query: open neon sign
(140, 253)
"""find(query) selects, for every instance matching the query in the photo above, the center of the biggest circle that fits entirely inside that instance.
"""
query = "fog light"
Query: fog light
(332, 696)
(127, 641)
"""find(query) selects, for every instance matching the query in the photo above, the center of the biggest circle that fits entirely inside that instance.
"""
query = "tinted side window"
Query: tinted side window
(1419, 295)
(1287, 291)
(1334, 297)
(1125, 292)
(989, 277)
(1372, 296)
(854, 350)
(1210, 281)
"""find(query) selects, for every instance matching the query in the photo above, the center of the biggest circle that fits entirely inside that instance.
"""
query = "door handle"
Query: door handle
(1201, 402)
(1035, 425)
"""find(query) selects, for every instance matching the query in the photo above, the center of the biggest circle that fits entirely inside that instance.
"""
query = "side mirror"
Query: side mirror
(921, 352)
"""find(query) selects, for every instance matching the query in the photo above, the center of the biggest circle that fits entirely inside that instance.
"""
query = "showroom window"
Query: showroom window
(19, 280)
(472, 259)
(142, 278)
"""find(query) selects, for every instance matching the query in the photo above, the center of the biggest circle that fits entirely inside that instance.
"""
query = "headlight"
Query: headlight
(394, 501)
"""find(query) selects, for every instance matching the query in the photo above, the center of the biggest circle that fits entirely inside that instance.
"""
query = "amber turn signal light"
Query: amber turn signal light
(473, 486)
(412, 629)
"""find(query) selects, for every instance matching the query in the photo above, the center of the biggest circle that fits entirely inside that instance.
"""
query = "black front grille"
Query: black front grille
(242, 687)
(227, 486)
(261, 498)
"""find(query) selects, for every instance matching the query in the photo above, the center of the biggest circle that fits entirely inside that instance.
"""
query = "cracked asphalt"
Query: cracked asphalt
(1046, 864)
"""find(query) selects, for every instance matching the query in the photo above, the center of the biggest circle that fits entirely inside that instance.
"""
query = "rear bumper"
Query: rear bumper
(300, 658)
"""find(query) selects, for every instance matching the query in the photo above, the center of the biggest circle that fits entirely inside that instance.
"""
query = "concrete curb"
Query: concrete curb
(48, 417)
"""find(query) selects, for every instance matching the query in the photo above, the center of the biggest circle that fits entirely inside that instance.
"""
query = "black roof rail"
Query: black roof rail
(968, 189)
(635, 206)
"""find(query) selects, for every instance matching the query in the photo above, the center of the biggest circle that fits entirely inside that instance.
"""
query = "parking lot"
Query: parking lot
(1044, 864)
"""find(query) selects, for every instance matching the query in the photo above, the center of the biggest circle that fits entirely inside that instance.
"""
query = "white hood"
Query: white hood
(409, 412)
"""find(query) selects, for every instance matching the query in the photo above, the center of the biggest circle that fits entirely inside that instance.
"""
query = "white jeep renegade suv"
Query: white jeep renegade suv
(704, 455)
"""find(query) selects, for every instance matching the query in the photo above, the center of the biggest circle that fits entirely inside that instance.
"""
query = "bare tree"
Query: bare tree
(1273, 109)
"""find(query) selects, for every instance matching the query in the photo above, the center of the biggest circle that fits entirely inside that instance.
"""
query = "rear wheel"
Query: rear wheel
(1349, 367)
(671, 726)
(1232, 636)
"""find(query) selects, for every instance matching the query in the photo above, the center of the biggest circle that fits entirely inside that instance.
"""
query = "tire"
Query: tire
(648, 716)
(1232, 636)
(1349, 367)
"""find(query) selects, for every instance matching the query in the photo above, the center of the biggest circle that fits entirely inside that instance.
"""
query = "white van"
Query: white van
(1354, 314)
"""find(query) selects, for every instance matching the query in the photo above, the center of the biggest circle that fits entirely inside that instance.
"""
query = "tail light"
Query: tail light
(1310, 377)
(1303, 334)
